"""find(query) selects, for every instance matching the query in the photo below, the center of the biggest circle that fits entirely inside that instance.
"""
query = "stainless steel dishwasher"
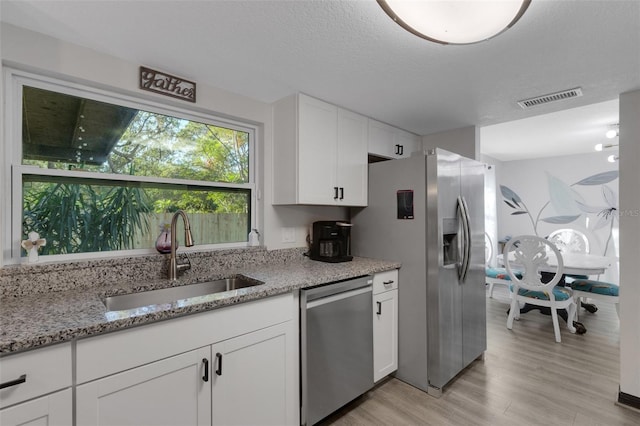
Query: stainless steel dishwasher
(336, 346)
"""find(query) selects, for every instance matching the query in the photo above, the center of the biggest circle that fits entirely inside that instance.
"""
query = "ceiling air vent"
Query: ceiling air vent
(551, 97)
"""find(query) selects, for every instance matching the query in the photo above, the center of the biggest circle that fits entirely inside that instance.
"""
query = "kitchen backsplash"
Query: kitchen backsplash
(20, 280)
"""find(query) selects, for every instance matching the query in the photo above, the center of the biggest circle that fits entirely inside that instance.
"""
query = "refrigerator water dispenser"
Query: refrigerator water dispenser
(450, 250)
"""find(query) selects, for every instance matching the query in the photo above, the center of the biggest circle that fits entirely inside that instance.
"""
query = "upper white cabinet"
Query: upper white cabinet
(390, 142)
(320, 153)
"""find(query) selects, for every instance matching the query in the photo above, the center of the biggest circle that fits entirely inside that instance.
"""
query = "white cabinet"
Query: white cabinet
(254, 379)
(352, 167)
(36, 387)
(385, 324)
(235, 365)
(320, 153)
(381, 138)
(408, 143)
(52, 410)
(390, 142)
(173, 391)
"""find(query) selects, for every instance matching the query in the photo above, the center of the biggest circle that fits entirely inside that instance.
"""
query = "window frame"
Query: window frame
(14, 170)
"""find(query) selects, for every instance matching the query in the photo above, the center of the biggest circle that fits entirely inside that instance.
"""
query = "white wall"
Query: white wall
(530, 180)
(464, 141)
(629, 243)
(492, 173)
(36, 52)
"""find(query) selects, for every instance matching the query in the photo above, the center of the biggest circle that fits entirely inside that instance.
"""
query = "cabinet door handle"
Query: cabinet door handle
(335, 192)
(21, 379)
(401, 149)
(219, 361)
(205, 378)
(379, 308)
(342, 193)
(387, 282)
(397, 149)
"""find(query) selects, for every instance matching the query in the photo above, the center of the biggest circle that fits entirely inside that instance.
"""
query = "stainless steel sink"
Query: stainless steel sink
(171, 294)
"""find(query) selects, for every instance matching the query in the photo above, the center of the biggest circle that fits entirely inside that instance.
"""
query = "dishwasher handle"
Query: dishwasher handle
(319, 292)
(339, 296)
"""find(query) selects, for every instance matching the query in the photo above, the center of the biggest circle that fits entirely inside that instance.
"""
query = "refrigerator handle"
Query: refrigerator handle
(460, 238)
(465, 241)
(467, 255)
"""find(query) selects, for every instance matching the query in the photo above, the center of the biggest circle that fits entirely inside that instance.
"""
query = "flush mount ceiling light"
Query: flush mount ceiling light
(455, 21)
(612, 133)
(600, 147)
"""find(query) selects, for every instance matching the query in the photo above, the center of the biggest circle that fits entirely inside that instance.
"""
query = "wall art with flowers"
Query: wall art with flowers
(571, 205)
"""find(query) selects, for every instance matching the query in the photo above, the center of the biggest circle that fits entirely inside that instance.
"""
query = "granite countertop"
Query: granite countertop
(35, 320)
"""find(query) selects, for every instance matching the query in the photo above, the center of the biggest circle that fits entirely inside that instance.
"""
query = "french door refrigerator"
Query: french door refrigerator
(427, 212)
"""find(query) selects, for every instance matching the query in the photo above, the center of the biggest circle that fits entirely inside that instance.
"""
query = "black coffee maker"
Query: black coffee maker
(331, 241)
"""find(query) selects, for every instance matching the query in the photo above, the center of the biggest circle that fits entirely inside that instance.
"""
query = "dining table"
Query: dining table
(574, 263)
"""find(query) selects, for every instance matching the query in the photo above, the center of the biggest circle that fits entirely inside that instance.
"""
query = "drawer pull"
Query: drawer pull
(205, 378)
(19, 380)
(219, 369)
(387, 282)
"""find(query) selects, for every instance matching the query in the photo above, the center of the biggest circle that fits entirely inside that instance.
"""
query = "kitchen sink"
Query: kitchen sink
(171, 294)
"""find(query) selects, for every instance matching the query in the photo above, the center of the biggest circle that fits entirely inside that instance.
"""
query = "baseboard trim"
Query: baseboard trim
(630, 400)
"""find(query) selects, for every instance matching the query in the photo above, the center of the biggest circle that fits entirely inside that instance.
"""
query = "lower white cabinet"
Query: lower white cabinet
(51, 410)
(36, 387)
(173, 391)
(385, 324)
(254, 379)
(243, 372)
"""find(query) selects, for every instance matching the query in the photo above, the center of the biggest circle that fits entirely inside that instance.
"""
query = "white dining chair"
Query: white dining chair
(573, 241)
(530, 256)
(595, 290)
(493, 275)
(570, 240)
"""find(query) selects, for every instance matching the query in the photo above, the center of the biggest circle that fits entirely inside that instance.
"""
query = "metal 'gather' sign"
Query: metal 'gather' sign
(166, 84)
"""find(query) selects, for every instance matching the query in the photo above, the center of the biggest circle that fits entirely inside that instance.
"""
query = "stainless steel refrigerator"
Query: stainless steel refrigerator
(427, 211)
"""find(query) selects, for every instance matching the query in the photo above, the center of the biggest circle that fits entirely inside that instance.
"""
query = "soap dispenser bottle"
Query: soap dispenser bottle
(254, 238)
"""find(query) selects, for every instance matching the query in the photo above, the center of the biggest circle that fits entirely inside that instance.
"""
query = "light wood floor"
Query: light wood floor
(525, 379)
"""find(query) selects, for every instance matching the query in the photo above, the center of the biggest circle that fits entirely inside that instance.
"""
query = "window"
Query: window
(98, 173)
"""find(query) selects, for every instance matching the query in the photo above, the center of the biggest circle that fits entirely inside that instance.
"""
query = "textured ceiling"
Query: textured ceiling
(351, 54)
(567, 132)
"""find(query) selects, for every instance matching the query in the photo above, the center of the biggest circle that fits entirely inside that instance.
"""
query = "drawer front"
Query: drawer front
(385, 281)
(45, 370)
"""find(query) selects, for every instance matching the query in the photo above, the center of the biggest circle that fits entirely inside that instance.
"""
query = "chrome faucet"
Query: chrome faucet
(174, 267)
